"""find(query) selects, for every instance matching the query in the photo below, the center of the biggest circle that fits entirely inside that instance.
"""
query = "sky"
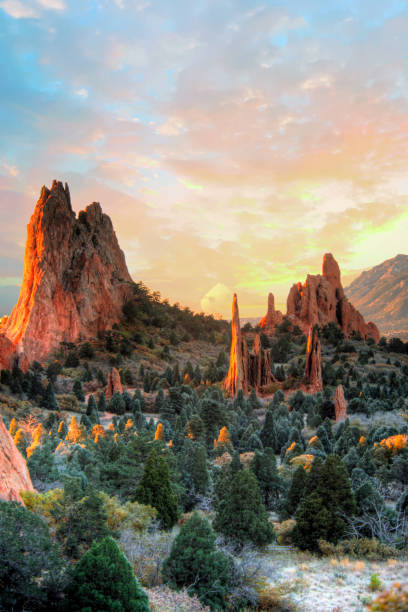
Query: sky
(232, 142)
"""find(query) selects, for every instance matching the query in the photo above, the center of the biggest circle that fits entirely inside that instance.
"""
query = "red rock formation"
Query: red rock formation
(273, 317)
(313, 366)
(75, 279)
(340, 404)
(114, 384)
(248, 369)
(321, 300)
(237, 376)
(14, 475)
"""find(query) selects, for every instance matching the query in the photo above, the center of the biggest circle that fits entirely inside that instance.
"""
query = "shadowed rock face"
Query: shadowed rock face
(321, 300)
(273, 317)
(248, 369)
(14, 475)
(340, 404)
(75, 279)
(113, 384)
(313, 366)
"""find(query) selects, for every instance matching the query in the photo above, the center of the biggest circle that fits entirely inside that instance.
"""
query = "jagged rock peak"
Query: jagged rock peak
(321, 300)
(75, 278)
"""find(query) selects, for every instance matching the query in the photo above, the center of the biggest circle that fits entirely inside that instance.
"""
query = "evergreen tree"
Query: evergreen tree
(91, 407)
(104, 581)
(241, 514)
(154, 489)
(268, 434)
(329, 498)
(77, 391)
(195, 563)
(102, 403)
(117, 403)
(295, 493)
(265, 469)
(50, 400)
(31, 566)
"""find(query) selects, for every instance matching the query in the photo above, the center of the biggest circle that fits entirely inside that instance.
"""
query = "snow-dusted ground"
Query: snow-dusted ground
(329, 584)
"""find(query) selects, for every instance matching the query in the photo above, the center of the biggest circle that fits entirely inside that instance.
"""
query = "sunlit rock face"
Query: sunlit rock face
(340, 404)
(237, 377)
(75, 279)
(14, 475)
(249, 369)
(272, 318)
(321, 300)
(313, 365)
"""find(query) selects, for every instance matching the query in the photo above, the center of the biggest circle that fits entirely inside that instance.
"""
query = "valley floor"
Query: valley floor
(329, 584)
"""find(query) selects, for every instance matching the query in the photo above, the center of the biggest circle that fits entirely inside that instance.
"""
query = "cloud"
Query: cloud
(19, 10)
(217, 300)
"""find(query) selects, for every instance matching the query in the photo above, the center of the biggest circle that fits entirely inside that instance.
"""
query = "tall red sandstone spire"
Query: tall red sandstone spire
(273, 317)
(236, 379)
(75, 278)
(313, 366)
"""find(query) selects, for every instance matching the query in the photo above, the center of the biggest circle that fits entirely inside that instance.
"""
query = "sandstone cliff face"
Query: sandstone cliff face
(14, 475)
(340, 404)
(75, 279)
(321, 300)
(272, 318)
(313, 366)
(248, 369)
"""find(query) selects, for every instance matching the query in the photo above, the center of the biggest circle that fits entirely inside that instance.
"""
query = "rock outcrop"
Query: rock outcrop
(237, 374)
(248, 369)
(272, 318)
(321, 300)
(340, 404)
(14, 474)
(75, 279)
(313, 366)
(113, 384)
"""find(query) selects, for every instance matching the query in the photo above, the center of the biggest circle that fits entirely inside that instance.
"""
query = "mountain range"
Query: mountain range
(381, 295)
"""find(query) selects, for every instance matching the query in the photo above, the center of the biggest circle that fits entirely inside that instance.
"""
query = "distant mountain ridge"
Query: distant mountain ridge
(381, 294)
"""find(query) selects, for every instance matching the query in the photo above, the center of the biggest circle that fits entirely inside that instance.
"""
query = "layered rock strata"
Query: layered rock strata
(14, 474)
(313, 365)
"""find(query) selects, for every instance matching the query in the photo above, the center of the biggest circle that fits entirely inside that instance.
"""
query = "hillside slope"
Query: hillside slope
(381, 294)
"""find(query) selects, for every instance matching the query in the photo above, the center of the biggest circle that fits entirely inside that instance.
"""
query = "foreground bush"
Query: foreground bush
(361, 548)
(103, 580)
(394, 600)
(195, 563)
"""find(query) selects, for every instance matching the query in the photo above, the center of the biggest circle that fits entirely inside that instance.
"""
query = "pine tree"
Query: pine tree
(295, 493)
(117, 403)
(50, 400)
(154, 489)
(265, 469)
(268, 434)
(195, 563)
(329, 499)
(104, 580)
(91, 406)
(77, 391)
(102, 403)
(241, 514)
(62, 429)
